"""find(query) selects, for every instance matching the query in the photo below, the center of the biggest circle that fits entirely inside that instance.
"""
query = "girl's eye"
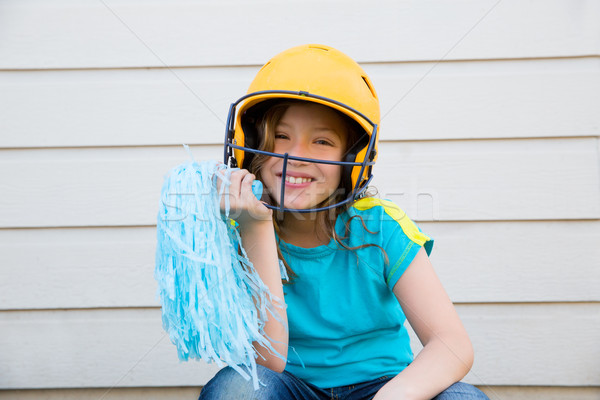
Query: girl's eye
(324, 142)
(280, 136)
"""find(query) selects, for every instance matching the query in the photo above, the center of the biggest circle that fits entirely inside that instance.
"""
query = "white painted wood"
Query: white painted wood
(447, 180)
(152, 393)
(93, 348)
(493, 392)
(541, 393)
(96, 98)
(492, 180)
(462, 100)
(87, 187)
(477, 262)
(133, 33)
(77, 268)
(549, 261)
(524, 344)
(127, 348)
(118, 107)
(454, 100)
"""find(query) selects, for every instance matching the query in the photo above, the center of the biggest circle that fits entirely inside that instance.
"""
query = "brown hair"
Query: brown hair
(265, 129)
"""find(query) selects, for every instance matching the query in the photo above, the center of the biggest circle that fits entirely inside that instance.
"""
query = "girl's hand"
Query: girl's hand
(244, 207)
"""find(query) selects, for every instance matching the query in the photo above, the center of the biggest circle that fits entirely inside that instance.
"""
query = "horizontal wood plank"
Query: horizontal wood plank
(492, 180)
(493, 392)
(556, 261)
(94, 348)
(477, 262)
(76, 268)
(520, 179)
(129, 33)
(127, 348)
(512, 341)
(152, 393)
(454, 100)
(537, 392)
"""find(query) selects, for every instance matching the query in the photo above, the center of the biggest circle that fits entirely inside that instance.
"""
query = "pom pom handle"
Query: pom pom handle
(257, 189)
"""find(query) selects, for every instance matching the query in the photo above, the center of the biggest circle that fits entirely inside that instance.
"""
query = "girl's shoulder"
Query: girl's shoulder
(379, 212)
(385, 217)
(376, 206)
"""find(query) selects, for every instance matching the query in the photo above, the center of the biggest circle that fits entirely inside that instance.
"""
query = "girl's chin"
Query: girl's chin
(300, 205)
(298, 200)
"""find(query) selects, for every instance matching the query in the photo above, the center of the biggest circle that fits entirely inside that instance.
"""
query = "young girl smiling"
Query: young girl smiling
(358, 266)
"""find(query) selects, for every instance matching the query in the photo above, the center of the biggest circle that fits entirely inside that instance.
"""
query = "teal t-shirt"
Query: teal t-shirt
(345, 324)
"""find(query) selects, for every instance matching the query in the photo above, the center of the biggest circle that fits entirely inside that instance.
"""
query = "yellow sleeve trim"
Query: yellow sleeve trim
(408, 227)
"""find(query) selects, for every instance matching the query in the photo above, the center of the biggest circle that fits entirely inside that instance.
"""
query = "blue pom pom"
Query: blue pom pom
(208, 287)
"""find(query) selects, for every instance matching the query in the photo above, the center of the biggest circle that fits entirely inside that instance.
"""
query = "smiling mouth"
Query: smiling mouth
(297, 180)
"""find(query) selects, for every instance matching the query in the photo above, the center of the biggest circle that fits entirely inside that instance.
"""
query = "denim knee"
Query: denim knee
(228, 384)
(461, 391)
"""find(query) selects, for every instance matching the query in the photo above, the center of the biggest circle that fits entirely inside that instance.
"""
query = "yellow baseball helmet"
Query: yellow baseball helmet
(314, 73)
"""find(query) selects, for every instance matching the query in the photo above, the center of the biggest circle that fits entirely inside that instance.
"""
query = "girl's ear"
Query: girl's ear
(355, 148)
(347, 172)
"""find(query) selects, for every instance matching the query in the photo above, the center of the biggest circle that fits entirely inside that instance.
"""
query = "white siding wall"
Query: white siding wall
(490, 140)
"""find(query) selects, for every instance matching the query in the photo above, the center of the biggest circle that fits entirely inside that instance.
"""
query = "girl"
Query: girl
(358, 266)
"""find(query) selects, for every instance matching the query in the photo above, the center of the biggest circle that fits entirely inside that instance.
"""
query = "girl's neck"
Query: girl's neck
(303, 230)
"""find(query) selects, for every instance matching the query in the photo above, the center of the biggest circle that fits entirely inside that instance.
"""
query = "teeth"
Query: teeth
(291, 179)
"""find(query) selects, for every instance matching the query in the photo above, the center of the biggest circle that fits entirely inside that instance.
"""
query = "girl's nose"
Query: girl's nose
(299, 149)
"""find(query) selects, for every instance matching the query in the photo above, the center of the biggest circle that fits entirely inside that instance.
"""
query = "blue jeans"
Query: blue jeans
(229, 385)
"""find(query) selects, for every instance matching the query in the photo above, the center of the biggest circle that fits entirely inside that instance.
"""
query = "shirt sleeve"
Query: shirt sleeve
(400, 237)
(404, 239)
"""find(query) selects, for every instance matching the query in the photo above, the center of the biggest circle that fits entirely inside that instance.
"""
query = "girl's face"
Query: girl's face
(312, 131)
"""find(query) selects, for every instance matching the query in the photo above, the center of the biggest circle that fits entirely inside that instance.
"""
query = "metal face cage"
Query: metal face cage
(366, 164)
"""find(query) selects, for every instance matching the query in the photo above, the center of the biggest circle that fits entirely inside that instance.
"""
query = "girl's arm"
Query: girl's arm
(259, 242)
(447, 354)
(258, 239)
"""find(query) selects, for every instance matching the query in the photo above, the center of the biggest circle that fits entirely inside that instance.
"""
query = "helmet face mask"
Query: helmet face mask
(329, 76)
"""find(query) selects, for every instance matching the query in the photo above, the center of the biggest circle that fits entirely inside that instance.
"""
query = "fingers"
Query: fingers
(239, 195)
(243, 205)
(239, 183)
(246, 186)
